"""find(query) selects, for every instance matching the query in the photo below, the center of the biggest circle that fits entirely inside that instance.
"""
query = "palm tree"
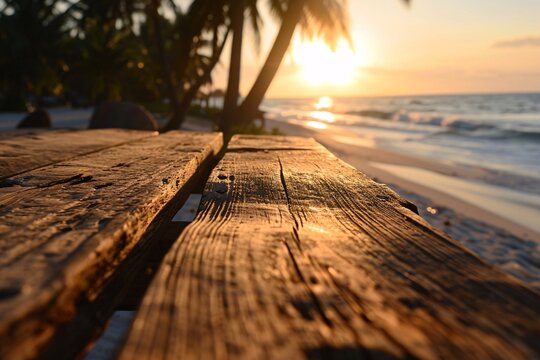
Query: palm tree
(184, 66)
(105, 47)
(202, 17)
(172, 92)
(202, 76)
(32, 33)
(197, 71)
(325, 18)
(237, 9)
(236, 14)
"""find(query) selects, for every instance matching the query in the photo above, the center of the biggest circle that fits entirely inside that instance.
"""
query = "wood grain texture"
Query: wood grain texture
(24, 150)
(295, 254)
(64, 228)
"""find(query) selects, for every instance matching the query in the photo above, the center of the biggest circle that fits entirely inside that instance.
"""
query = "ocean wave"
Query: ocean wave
(464, 127)
(449, 121)
(417, 118)
(453, 124)
(377, 114)
(496, 133)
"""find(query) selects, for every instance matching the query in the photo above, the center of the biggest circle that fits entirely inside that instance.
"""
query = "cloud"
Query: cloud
(533, 41)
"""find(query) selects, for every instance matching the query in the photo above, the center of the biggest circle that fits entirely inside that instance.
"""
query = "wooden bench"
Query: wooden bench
(72, 207)
(293, 254)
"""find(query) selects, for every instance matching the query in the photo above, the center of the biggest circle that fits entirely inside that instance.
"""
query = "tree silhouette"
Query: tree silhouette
(237, 9)
(32, 33)
(194, 68)
(325, 18)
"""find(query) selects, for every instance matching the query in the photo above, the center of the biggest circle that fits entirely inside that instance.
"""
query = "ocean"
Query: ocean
(499, 132)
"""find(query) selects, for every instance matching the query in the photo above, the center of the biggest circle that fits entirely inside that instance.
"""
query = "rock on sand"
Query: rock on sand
(124, 115)
(37, 119)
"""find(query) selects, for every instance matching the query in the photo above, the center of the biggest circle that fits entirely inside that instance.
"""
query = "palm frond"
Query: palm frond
(255, 20)
(327, 19)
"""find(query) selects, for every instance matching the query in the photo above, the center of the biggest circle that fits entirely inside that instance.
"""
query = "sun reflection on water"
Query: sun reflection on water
(316, 125)
(323, 108)
(323, 116)
(324, 103)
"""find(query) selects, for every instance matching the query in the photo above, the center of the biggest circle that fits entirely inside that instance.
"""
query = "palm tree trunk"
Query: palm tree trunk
(230, 103)
(249, 107)
(165, 66)
(178, 118)
(193, 25)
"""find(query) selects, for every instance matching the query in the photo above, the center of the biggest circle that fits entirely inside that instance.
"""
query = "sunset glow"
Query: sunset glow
(323, 113)
(320, 65)
(324, 103)
(417, 49)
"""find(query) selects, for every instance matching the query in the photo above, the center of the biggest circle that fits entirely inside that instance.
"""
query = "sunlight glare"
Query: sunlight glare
(324, 105)
(316, 125)
(323, 116)
(320, 65)
(324, 102)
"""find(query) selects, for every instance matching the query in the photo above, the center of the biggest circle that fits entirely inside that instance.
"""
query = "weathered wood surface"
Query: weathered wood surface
(295, 254)
(25, 150)
(65, 227)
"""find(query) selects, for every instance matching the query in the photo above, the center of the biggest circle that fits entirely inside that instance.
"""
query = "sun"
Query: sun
(320, 65)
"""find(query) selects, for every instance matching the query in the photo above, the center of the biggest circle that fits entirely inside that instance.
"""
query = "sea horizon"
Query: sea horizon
(435, 94)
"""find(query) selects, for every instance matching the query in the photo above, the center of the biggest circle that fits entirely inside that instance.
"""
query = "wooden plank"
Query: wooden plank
(64, 228)
(126, 287)
(295, 254)
(25, 150)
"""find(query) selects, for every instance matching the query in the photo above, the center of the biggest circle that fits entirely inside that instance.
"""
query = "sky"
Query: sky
(431, 47)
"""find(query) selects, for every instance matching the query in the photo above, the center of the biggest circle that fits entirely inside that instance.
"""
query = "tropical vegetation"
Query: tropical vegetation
(81, 52)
